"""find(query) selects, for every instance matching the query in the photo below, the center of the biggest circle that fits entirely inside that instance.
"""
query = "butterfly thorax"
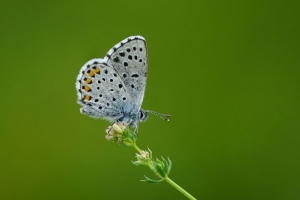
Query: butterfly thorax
(133, 118)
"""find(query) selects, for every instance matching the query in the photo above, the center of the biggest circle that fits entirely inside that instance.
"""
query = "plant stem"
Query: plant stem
(136, 148)
(169, 180)
(179, 188)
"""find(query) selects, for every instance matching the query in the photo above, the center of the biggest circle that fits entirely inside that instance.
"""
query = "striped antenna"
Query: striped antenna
(162, 116)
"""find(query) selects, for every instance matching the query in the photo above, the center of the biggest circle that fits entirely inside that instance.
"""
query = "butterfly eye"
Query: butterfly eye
(141, 115)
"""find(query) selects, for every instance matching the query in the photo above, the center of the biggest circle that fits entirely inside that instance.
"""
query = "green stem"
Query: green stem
(168, 179)
(179, 188)
(136, 148)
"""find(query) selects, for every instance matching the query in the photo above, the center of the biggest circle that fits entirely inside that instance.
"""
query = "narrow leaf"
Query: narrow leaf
(148, 180)
(160, 170)
(169, 165)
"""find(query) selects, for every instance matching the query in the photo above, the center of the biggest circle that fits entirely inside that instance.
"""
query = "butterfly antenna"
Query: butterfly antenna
(160, 115)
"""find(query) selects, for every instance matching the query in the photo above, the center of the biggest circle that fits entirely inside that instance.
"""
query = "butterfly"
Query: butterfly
(113, 88)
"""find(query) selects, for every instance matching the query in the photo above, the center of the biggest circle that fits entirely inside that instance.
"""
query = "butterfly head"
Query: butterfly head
(143, 115)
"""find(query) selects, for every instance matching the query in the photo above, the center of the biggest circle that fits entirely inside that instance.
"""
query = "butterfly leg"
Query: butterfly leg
(136, 128)
(113, 122)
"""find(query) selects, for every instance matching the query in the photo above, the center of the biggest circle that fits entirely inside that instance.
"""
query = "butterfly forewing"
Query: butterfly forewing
(129, 58)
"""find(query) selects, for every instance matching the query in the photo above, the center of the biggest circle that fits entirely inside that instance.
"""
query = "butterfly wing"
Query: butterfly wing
(130, 59)
(100, 91)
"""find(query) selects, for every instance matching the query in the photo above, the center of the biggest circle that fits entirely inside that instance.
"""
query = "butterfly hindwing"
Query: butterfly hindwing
(100, 90)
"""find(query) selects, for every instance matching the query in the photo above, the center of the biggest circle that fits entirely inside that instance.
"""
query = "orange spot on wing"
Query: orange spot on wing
(97, 71)
(87, 98)
(87, 88)
(88, 81)
(91, 73)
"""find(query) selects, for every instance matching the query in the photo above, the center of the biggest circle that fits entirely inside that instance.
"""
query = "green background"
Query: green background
(227, 71)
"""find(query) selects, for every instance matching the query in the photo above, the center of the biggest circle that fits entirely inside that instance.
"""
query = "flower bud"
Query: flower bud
(120, 133)
(108, 130)
(109, 138)
(144, 154)
(117, 128)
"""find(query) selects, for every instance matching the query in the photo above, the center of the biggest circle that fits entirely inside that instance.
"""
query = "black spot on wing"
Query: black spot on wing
(116, 59)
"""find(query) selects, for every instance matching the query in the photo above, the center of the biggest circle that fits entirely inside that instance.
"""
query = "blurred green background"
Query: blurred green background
(227, 71)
